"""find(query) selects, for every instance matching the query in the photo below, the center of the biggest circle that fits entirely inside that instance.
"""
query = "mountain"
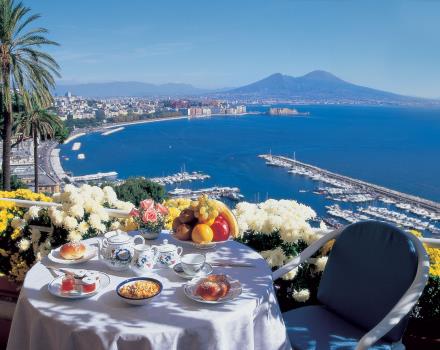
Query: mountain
(316, 85)
(131, 88)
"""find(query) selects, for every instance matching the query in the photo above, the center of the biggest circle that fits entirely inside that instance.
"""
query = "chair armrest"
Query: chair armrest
(405, 303)
(305, 254)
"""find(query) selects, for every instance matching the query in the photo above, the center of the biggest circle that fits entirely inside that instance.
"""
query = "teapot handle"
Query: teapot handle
(103, 243)
(138, 237)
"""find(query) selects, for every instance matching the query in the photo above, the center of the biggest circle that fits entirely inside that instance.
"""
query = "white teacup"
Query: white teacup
(192, 264)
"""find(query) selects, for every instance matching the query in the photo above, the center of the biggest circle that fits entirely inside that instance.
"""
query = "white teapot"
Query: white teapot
(169, 254)
(116, 249)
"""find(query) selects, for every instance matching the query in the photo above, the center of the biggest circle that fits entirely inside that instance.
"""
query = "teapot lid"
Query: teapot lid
(165, 246)
(118, 237)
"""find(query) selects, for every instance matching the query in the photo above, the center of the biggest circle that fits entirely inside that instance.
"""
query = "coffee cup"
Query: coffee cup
(192, 264)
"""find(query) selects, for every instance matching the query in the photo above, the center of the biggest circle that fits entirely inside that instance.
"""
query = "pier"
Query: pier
(111, 175)
(368, 187)
(111, 131)
(232, 193)
(408, 211)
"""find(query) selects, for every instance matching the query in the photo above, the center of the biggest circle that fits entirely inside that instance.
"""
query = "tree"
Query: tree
(135, 190)
(23, 67)
(37, 123)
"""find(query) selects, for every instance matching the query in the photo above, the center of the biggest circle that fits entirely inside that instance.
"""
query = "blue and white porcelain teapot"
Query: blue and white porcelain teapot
(116, 249)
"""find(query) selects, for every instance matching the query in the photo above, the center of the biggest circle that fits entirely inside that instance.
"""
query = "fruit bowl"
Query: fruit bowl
(205, 223)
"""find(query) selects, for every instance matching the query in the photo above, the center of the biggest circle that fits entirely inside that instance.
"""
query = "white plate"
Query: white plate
(56, 257)
(206, 270)
(54, 288)
(234, 292)
(200, 245)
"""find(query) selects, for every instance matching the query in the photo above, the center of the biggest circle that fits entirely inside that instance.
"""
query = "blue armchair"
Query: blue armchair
(373, 278)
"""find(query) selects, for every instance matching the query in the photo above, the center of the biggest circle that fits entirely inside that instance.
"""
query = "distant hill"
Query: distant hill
(316, 85)
(131, 88)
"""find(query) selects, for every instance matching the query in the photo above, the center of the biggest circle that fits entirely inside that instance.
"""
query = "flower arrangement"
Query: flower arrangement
(280, 230)
(27, 235)
(150, 216)
(175, 207)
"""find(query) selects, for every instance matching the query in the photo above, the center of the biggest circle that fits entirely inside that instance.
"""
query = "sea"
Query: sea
(395, 147)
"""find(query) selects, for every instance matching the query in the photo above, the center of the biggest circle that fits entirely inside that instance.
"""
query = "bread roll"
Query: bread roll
(72, 250)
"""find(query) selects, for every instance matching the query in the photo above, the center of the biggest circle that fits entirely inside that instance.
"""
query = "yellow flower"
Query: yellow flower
(434, 256)
(16, 234)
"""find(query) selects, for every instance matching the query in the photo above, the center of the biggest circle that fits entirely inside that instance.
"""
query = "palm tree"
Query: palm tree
(23, 68)
(37, 123)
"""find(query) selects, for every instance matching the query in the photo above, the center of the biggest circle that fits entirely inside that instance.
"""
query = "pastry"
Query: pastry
(72, 250)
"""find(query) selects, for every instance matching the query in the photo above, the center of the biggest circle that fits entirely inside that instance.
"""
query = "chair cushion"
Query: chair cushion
(370, 267)
(316, 328)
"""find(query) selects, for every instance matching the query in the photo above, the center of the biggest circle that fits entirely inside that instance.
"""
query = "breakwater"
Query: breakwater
(368, 187)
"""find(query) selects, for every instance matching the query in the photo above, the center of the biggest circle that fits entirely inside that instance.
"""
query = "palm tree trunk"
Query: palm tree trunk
(7, 130)
(34, 134)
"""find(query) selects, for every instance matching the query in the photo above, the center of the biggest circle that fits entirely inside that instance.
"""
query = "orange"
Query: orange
(202, 233)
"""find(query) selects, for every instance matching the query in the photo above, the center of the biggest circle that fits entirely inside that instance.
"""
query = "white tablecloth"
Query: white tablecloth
(170, 321)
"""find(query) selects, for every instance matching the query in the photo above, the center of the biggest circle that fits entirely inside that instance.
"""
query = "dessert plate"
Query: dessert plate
(54, 288)
(206, 270)
(234, 291)
(56, 257)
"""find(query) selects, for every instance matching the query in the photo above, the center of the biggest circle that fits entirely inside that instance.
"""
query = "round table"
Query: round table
(169, 321)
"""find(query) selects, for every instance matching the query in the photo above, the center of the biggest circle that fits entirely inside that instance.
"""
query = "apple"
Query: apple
(221, 229)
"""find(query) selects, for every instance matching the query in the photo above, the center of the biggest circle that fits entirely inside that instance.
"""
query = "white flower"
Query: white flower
(90, 205)
(56, 197)
(76, 211)
(74, 236)
(97, 194)
(16, 222)
(124, 205)
(110, 195)
(69, 188)
(24, 244)
(33, 211)
(55, 216)
(320, 263)
(83, 227)
(275, 257)
(69, 223)
(115, 226)
(95, 221)
(291, 274)
(301, 296)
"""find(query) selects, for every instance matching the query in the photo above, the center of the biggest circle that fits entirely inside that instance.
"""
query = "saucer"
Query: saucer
(206, 270)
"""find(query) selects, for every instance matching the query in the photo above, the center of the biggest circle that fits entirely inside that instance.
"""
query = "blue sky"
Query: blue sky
(392, 45)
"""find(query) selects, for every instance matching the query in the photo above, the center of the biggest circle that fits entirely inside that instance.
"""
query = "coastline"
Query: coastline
(53, 154)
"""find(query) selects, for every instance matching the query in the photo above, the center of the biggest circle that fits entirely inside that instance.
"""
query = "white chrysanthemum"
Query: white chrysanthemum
(97, 194)
(90, 205)
(320, 263)
(69, 188)
(103, 215)
(16, 222)
(95, 221)
(124, 205)
(24, 244)
(291, 274)
(77, 211)
(116, 225)
(275, 257)
(83, 227)
(74, 236)
(69, 223)
(55, 216)
(56, 197)
(110, 195)
(301, 296)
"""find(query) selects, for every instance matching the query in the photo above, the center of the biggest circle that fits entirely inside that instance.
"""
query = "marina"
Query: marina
(232, 193)
(364, 200)
(180, 177)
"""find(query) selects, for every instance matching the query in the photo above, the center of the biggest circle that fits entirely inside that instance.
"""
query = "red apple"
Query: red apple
(221, 229)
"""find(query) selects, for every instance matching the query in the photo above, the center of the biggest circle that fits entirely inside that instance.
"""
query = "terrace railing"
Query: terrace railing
(430, 242)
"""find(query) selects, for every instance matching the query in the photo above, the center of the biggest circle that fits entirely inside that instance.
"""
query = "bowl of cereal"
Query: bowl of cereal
(139, 290)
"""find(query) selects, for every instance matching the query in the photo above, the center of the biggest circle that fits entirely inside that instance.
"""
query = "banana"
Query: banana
(230, 218)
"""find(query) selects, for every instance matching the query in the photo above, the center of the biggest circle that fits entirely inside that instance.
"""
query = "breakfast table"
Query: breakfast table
(169, 321)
